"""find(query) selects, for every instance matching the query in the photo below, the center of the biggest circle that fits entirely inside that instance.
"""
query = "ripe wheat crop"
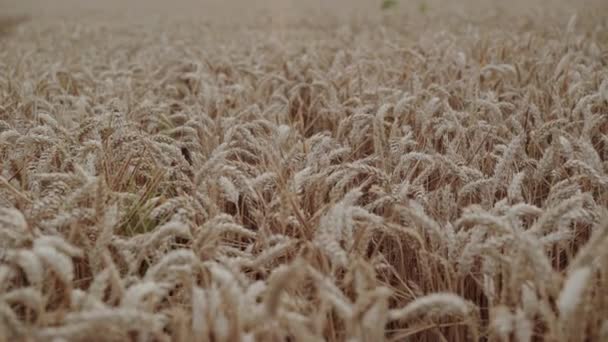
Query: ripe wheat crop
(304, 171)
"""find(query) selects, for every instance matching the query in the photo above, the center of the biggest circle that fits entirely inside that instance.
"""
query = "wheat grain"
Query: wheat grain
(572, 291)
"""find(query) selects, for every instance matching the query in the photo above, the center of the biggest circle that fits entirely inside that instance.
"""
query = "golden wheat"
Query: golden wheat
(304, 171)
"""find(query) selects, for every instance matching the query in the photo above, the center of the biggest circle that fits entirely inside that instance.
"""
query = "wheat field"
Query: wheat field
(304, 170)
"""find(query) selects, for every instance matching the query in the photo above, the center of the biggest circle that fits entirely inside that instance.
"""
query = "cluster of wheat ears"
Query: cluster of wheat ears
(304, 181)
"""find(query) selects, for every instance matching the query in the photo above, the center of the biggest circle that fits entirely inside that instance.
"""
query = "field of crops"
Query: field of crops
(281, 170)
